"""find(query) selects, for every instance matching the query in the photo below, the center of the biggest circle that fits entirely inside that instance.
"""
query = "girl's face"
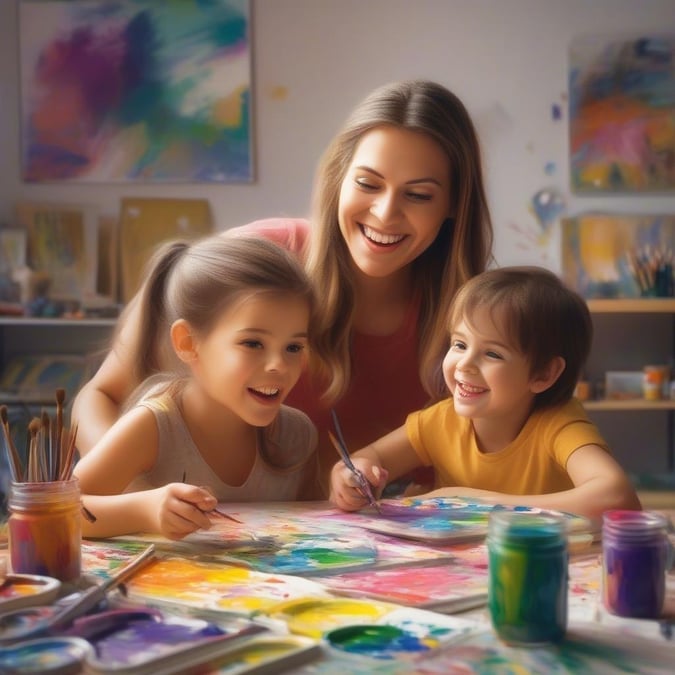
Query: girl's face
(254, 355)
(487, 376)
(393, 199)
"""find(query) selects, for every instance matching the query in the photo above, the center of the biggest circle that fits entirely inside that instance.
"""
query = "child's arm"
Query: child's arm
(127, 450)
(386, 459)
(599, 484)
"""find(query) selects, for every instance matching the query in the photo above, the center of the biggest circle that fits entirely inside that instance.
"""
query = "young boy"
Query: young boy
(511, 432)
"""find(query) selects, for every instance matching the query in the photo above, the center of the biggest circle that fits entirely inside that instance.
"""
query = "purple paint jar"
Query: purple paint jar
(635, 558)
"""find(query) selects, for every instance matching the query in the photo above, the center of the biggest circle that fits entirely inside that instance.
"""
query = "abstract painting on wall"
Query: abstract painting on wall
(136, 91)
(622, 114)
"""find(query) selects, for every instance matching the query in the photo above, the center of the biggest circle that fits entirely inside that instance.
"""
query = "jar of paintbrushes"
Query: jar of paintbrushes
(44, 528)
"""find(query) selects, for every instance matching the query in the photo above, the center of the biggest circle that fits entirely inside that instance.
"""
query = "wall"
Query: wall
(315, 59)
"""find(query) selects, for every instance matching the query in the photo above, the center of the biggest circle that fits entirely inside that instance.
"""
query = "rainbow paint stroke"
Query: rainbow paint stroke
(136, 90)
(215, 586)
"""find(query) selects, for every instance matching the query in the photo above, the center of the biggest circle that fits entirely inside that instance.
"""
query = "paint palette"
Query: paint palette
(45, 656)
(150, 645)
(27, 590)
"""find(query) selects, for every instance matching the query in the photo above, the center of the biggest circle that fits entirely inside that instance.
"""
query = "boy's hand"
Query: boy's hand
(181, 509)
(345, 492)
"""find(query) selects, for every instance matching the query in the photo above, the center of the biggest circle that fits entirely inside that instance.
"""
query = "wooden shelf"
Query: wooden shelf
(58, 322)
(629, 404)
(631, 305)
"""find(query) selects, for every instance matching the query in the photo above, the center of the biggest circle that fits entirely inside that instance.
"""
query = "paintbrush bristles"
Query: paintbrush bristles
(50, 448)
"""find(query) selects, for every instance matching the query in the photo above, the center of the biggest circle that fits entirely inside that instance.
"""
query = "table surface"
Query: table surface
(303, 521)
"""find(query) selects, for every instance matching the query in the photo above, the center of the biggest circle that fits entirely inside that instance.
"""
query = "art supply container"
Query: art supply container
(636, 555)
(527, 582)
(45, 528)
(654, 379)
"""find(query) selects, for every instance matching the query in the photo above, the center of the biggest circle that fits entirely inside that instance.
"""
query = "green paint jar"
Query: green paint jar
(527, 582)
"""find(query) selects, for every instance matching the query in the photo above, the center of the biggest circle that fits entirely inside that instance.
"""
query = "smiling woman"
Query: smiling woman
(400, 222)
(237, 314)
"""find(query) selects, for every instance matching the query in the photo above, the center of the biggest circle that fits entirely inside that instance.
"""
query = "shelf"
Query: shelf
(631, 305)
(58, 322)
(629, 404)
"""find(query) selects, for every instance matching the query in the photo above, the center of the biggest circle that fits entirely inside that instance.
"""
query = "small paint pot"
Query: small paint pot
(44, 529)
(636, 555)
(527, 576)
(45, 656)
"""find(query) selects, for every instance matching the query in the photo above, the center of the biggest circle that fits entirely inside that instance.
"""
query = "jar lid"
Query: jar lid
(526, 527)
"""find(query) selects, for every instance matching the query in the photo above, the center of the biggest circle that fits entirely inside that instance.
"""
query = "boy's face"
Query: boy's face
(487, 376)
(254, 355)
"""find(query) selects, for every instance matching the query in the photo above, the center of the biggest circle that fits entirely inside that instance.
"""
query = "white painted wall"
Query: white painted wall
(506, 59)
(315, 59)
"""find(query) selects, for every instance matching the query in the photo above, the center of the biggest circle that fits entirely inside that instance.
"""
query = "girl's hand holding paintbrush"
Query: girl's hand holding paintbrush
(173, 510)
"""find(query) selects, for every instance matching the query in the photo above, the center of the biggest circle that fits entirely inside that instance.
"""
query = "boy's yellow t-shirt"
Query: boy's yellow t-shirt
(534, 463)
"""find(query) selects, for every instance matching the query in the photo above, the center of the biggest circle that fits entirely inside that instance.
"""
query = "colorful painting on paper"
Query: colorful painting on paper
(215, 586)
(622, 113)
(619, 256)
(446, 519)
(136, 91)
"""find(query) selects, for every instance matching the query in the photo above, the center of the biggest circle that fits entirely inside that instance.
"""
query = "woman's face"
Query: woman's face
(393, 200)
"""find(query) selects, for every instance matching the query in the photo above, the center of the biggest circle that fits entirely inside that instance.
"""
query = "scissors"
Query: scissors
(341, 447)
(31, 622)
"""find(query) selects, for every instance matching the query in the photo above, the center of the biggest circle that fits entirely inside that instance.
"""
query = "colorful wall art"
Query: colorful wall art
(622, 113)
(619, 255)
(136, 90)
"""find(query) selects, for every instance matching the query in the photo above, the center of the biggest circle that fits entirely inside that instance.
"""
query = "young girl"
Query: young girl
(400, 222)
(237, 312)
(511, 432)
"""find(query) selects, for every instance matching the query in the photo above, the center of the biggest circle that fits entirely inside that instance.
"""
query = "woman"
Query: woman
(400, 222)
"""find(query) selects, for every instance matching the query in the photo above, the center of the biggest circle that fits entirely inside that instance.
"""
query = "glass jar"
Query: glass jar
(45, 529)
(635, 558)
(527, 576)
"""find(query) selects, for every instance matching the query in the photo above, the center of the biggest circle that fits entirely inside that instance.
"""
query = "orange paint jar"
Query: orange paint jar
(45, 529)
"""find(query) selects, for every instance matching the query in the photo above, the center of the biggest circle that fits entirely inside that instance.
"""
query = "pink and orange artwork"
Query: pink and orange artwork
(622, 113)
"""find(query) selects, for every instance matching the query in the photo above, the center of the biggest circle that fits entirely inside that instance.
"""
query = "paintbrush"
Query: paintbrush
(58, 427)
(215, 511)
(341, 446)
(34, 464)
(67, 466)
(13, 455)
